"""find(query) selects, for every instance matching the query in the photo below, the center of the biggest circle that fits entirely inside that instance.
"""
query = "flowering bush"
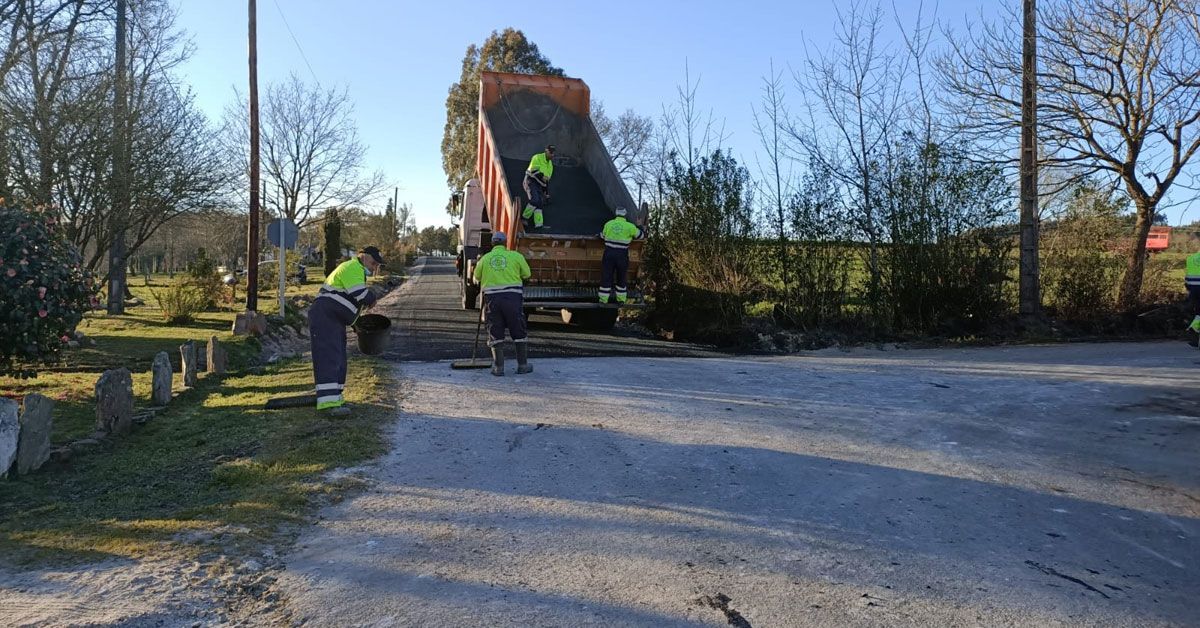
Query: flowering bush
(44, 290)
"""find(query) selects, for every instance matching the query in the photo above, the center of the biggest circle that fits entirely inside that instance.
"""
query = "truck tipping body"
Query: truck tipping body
(518, 116)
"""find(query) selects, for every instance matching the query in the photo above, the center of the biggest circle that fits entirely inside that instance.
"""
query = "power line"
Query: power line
(296, 41)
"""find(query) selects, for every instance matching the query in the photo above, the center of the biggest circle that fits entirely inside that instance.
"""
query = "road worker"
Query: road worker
(537, 185)
(618, 233)
(1192, 280)
(336, 307)
(501, 273)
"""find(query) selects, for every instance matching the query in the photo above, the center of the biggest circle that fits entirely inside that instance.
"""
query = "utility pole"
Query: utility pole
(1030, 293)
(120, 182)
(252, 235)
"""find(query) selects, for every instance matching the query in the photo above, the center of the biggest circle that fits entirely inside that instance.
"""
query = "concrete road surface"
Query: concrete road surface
(1055, 485)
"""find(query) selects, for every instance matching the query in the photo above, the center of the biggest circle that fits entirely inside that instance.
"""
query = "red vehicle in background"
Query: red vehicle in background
(1158, 240)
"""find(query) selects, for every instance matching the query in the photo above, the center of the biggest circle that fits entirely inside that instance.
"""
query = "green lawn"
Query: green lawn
(132, 340)
(213, 460)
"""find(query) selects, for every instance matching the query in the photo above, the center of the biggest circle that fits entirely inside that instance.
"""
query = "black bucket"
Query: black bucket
(373, 332)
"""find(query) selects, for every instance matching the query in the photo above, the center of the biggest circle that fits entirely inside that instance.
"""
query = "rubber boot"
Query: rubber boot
(523, 365)
(338, 411)
(498, 360)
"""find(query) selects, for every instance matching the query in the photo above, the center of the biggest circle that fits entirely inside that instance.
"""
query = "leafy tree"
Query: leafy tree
(46, 290)
(700, 253)
(504, 51)
(436, 239)
(1080, 269)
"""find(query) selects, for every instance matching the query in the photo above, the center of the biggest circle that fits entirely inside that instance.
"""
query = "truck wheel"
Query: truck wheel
(603, 320)
(594, 319)
(470, 297)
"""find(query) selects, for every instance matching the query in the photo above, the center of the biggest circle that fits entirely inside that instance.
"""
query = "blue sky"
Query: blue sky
(397, 60)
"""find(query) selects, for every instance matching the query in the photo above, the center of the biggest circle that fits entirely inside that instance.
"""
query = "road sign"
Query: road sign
(288, 229)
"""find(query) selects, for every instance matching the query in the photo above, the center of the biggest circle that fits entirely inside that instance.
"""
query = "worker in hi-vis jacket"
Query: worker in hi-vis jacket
(1191, 281)
(537, 185)
(501, 274)
(336, 307)
(618, 233)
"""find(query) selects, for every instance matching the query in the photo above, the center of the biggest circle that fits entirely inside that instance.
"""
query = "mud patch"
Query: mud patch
(720, 602)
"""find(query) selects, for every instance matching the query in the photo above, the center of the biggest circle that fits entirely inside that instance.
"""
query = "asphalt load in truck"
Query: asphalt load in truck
(576, 206)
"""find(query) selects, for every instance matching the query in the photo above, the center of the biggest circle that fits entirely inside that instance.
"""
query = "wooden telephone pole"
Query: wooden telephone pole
(252, 232)
(1030, 293)
(119, 217)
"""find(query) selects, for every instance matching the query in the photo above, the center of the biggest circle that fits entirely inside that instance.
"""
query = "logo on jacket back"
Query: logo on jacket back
(498, 262)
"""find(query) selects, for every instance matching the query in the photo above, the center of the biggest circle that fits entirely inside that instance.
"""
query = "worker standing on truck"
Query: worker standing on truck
(618, 233)
(501, 273)
(1192, 280)
(336, 308)
(537, 185)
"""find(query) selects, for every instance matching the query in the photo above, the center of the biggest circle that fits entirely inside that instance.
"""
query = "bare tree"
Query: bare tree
(25, 23)
(29, 28)
(771, 119)
(311, 151)
(1119, 94)
(688, 132)
(56, 106)
(628, 140)
(853, 98)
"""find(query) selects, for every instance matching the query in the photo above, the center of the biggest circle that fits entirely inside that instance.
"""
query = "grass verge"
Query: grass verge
(214, 465)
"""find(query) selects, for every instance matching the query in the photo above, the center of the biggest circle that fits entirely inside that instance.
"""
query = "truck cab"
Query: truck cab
(474, 239)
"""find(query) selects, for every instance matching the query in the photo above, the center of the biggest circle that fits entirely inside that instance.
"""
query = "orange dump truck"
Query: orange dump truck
(518, 116)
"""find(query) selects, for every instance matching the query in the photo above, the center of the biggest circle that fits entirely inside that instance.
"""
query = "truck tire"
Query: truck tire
(470, 296)
(594, 319)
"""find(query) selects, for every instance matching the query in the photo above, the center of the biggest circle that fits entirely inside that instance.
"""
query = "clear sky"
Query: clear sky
(397, 58)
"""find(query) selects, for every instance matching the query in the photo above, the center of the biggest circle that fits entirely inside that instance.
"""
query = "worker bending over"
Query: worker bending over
(336, 308)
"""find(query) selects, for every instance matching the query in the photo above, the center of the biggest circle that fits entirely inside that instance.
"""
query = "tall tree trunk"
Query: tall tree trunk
(5, 190)
(1131, 283)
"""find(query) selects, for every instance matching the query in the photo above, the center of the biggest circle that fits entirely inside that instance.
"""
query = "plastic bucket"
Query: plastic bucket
(373, 332)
